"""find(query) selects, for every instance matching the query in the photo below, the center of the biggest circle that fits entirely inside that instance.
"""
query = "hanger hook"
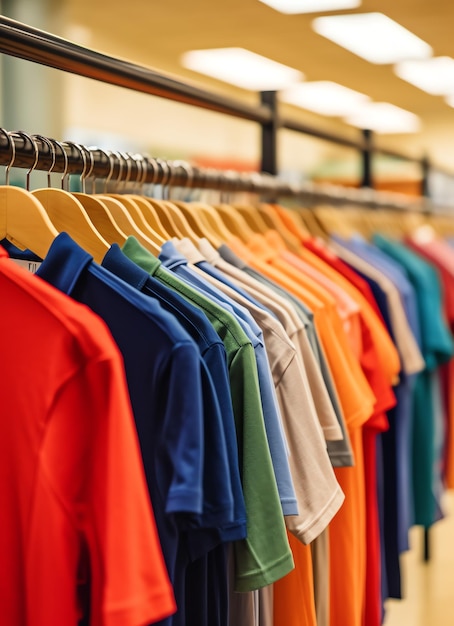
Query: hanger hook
(166, 176)
(126, 158)
(65, 159)
(86, 175)
(109, 157)
(188, 169)
(152, 162)
(52, 152)
(172, 169)
(137, 159)
(71, 144)
(11, 145)
(144, 165)
(29, 138)
(120, 166)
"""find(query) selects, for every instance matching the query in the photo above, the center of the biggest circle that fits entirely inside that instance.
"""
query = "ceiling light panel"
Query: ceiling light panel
(372, 36)
(242, 68)
(324, 97)
(435, 76)
(383, 117)
(311, 6)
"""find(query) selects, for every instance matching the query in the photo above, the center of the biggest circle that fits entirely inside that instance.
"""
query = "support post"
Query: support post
(269, 134)
(366, 154)
(425, 171)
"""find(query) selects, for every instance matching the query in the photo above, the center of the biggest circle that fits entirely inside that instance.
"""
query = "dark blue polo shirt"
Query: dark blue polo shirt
(212, 350)
(165, 375)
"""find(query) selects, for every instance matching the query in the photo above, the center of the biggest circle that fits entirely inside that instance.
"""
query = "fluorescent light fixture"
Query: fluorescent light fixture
(311, 6)
(242, 68)
(435, 76)
(372, 36)
(383, 117)
(324, 97)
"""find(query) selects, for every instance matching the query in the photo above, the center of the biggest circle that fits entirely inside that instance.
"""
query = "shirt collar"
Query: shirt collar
(64, 263)
(188, 250)
(134, 250)
(170, 257)
(208, 252)
(119, 264)
(228, 255)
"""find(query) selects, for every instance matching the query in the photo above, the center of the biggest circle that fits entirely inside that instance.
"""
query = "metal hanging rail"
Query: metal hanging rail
(35, 152)
(32, 44)
(26, 42)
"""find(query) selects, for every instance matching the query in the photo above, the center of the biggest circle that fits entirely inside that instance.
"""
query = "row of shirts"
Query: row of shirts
(271, 395)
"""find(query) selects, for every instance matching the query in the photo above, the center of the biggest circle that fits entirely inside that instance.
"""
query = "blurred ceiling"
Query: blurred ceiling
(157, 33)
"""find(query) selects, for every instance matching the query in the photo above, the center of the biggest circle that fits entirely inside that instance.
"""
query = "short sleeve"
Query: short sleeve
(92, 460)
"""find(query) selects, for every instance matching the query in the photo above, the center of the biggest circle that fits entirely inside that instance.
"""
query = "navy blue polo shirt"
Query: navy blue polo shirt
(212, 350)
(164, 373)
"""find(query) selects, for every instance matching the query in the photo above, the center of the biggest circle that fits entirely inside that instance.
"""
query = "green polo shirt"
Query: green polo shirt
(264, 556)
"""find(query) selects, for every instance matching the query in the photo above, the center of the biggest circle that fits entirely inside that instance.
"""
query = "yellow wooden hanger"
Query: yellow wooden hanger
(68, 214)
(253, 217)
(214, 220)
(23, 219)
(130, 205)
(235, 222)
(171, 216)
(120, 216)
(271, 217)
(128, 225)
(199, 222)
(97, 210)
(289, 217)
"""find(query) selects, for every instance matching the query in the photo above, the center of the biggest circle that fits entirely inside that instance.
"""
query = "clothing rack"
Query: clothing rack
(32, 44)
(26, 42)
(35, 152)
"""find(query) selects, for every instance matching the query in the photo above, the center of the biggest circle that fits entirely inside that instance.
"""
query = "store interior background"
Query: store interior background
(36, 99)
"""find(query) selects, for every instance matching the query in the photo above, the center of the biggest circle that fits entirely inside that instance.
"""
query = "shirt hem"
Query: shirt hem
(311, 531)
(256, 580)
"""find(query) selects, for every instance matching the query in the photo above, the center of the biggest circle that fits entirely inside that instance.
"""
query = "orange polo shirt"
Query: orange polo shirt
(355, 395)
(380, 362)
(294, 601)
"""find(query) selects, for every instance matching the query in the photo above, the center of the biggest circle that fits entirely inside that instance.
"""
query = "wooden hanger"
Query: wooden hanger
(235, 222)
(138, 217)
(166, 218)
(68, 214)
(23, 219)
(272, 218)
(150, 215)
(213, 219)
(293, 222)
(101, 218)
(180, 220)
(193, 217)
(128, 225)
(253, 217)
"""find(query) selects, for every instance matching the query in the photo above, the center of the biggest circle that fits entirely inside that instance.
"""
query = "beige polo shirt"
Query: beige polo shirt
(318, 493)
